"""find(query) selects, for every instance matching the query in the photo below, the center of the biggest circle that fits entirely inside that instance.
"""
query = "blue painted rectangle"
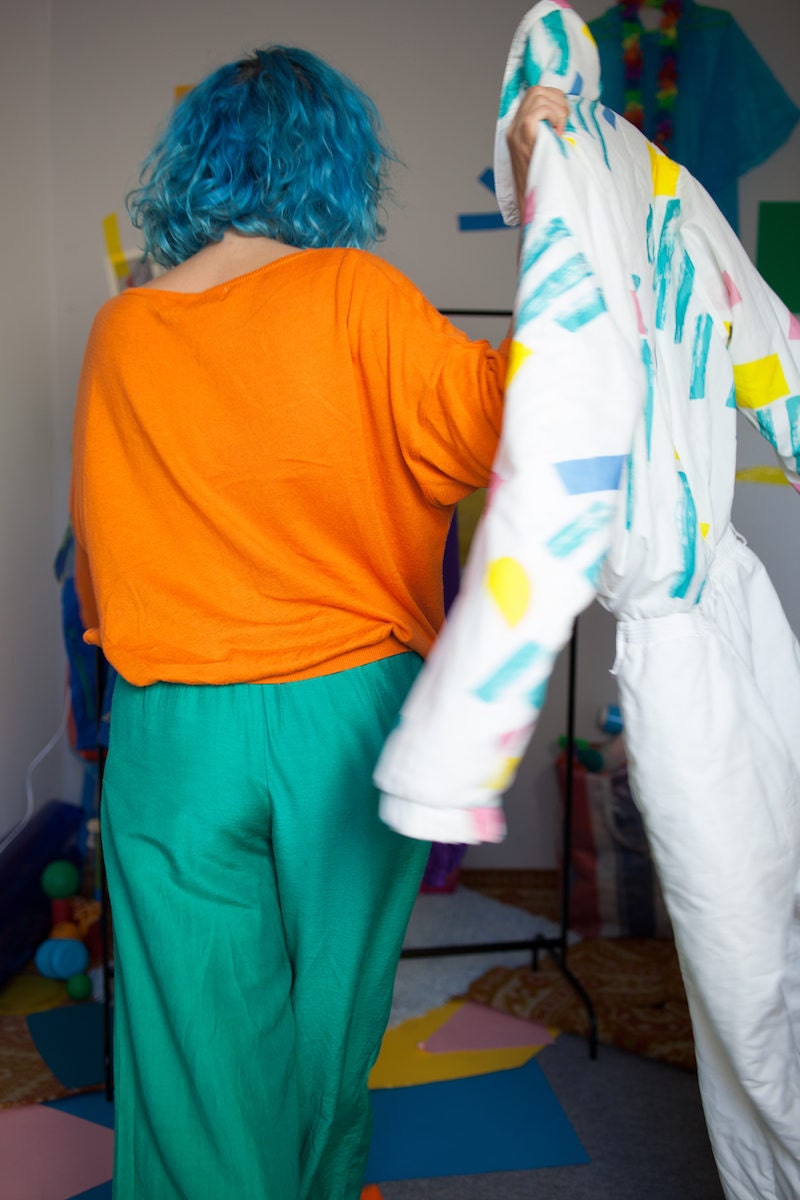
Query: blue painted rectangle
(601, 474)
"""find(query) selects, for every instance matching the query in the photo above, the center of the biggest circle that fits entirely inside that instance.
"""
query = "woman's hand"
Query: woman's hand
(537, 105)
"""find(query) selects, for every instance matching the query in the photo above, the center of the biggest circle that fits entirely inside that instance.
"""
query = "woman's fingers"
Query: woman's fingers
(538, 104)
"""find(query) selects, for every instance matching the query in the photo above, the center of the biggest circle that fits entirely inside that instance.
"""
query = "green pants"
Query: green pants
(259, 907)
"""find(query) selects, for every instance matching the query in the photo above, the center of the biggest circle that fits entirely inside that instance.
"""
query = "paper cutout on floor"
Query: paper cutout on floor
(32, 993)
(89, 1106)
(478, 1027)
(70, 1040)
(47, 1153)
(503, 1121)
(401, 1063)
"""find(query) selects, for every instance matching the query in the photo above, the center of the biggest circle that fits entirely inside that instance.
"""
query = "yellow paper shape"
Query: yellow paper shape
(516, 357)
(26, 994)
(401, 1063)
(586, 31)
(704, 528)
(760, 382)
(665, 173)
(116, 255)
(181, 90)
(509, 588)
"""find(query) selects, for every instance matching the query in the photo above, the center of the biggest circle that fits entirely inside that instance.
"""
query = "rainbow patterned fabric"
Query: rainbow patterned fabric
(641, 330)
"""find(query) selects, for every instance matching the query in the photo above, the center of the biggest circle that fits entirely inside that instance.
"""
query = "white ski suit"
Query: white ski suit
(641, 329)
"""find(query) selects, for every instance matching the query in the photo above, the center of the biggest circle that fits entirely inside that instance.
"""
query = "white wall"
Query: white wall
(434, 69)
(31, 659)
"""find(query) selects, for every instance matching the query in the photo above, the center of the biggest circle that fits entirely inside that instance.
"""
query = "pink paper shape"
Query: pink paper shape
(47, 1153)
(530, 206)
(794, 328)
(477, 1027)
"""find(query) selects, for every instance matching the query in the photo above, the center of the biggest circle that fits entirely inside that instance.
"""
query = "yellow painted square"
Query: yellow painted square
(760, 382)
(665, 173)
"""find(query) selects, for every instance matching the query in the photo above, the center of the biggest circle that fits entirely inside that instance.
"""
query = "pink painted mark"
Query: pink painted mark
(794, 328)
(530, 206)
(495, 483)
(562, 3)
(734, 295)
(514, 736)
(796, 487)
(489, 824)
(639, 317)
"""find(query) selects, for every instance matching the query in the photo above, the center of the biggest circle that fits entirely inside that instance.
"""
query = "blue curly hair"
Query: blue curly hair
(278, 144)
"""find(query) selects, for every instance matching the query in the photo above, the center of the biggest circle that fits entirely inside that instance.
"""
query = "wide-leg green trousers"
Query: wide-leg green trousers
(259, 907)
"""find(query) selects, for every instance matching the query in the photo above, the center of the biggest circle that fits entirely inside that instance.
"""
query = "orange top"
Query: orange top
(264, 472)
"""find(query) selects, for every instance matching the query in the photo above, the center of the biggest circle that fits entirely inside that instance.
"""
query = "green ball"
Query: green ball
(79, 987)
(60, 879)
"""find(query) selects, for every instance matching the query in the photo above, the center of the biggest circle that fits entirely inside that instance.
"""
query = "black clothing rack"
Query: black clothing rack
(556, 946)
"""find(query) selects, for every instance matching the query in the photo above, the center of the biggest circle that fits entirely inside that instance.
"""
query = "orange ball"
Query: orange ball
(65, 929)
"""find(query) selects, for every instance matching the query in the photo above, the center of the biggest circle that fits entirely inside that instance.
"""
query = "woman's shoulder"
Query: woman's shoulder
(371, 267)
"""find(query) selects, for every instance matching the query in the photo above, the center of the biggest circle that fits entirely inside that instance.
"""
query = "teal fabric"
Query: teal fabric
(259, 907)
(731, 112)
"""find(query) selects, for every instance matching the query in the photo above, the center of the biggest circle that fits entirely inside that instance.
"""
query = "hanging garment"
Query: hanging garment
(731, 113)
(641, 328)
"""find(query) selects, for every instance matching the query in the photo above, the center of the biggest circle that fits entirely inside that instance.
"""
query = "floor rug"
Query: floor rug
(635, 987)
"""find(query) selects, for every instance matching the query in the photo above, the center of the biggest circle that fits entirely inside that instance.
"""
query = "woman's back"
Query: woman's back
(263, 464)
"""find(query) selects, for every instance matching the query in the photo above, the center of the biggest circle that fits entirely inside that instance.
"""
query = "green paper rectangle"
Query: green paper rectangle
(778, 253)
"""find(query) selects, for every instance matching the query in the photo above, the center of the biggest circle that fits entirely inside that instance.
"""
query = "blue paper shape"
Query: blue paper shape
(475, 222)
(503, 1121)
(101, 1192)
(89, 1106)
(70, 1040)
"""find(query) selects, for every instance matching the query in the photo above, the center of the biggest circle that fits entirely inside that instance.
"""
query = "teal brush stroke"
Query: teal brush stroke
(666, 247)
(521, 660)
(573, 535)
(685, 287)
(702, 344)
(687, 531)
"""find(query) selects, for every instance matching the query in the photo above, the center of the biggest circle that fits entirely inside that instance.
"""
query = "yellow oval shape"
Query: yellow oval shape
(509, 587)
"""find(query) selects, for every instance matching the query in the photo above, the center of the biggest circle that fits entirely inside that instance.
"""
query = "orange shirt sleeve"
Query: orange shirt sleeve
(446, 390)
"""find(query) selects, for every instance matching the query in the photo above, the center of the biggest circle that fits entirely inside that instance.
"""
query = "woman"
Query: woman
(269, 442)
